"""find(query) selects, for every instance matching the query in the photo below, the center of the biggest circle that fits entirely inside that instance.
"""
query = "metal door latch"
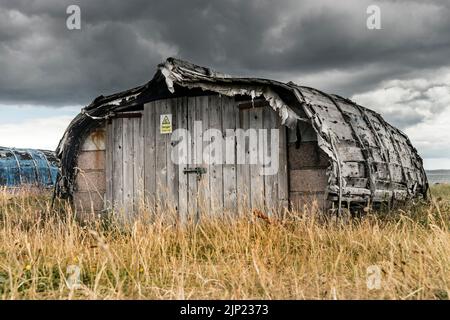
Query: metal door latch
(197, 170)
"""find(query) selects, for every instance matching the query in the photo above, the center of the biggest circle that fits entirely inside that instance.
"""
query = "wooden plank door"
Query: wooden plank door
(199, 185)
(266, 192)
(211, 181)
(160, 178)
(124, 165)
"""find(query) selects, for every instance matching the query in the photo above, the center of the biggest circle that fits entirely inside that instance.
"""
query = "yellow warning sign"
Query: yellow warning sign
(165, 123)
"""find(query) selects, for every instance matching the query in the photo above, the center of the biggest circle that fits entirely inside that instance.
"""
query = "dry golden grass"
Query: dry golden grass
(298, 258)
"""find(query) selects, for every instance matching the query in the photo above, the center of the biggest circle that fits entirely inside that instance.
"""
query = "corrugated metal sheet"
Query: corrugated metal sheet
(27, 167)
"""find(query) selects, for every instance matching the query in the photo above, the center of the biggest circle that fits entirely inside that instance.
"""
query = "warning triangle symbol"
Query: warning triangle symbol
(166, 120)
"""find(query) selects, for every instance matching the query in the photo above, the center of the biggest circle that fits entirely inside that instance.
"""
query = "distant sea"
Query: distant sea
(438, 176)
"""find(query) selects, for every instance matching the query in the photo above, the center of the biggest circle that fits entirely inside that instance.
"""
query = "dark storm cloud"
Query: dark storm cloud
(120, 43)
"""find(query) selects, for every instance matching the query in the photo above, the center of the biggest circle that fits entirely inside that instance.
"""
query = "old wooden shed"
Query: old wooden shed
(202, 141)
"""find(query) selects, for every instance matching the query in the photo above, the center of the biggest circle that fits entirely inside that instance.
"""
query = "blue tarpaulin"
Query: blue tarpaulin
(27, 167)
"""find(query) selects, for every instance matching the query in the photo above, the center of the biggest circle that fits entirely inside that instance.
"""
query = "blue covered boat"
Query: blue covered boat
(28, 167)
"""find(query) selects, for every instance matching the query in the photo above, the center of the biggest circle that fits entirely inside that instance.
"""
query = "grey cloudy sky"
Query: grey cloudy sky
(402, 70)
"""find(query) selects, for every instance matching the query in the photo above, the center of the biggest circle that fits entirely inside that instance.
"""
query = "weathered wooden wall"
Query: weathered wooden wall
(307, 175)
(267, 192)
(139, 165)
(90, 184)
(125, 164)
(137, 169)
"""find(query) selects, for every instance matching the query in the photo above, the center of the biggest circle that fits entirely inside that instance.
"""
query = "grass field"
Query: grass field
(45, 254)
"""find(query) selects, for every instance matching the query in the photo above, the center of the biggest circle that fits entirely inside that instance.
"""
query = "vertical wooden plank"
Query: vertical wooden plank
(270, 181)
(229, 158)
(242, 163)
(283, 187)
(138, 168)
(150, 154)
(172, 168)
(256, 179)
(215, 168)
(109, 143)
(118, 165)
(128, 170)
(182, 110)
(192, 178)
(161, 156)
(202, 109)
